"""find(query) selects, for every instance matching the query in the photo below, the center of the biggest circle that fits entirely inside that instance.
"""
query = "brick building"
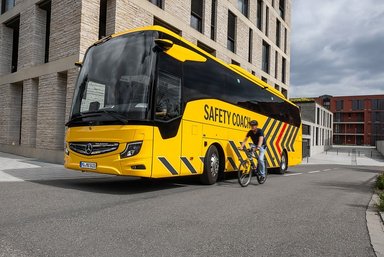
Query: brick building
(40, 40)
(357, 120)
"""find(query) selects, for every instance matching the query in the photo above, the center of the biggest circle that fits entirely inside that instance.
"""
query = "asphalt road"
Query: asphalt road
(314, 210)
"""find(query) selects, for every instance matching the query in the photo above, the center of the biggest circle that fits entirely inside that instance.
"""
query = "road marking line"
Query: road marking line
(293, 174)
(4, 177)
(327, 170)
(315, 171)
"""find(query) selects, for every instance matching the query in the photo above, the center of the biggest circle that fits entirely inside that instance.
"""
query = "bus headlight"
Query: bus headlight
(131, 149)
(66, 151)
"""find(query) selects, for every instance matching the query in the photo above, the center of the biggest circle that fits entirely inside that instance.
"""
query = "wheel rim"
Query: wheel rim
(283, 162)
(215, 164)
(244, 174)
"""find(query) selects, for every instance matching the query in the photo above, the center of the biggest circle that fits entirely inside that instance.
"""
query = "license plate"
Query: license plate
(88, 165)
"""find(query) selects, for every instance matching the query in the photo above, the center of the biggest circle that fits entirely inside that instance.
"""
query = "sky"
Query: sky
(337, 47)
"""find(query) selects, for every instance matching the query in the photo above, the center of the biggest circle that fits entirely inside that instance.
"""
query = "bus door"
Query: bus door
(167, 116)
(191, 156)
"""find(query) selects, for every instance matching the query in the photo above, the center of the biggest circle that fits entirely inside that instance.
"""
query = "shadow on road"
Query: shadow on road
(120, 185)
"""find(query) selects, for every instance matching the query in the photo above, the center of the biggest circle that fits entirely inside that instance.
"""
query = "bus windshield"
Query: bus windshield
(115, 80)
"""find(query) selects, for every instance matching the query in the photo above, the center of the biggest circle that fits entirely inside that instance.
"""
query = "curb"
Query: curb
(375, 226)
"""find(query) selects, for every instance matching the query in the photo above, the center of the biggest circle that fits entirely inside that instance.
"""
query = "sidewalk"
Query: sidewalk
(15, 168)
(343, 158)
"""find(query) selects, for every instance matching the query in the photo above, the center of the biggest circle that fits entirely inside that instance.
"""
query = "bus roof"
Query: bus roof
(241, 71)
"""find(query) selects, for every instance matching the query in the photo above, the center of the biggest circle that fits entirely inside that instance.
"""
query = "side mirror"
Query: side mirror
(164, 44)
(179, 52)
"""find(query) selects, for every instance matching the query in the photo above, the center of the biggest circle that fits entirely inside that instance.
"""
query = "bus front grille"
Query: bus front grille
(92, 148)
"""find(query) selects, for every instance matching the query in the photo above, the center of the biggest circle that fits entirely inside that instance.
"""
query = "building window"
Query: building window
(235, 63)
(231, 37)
(277, 87)
(264, 79)
(197, 15)
(284, 70)
(259, 15)
(250, 45)
(267, 21)
(285, 40)
(338, 116)
(357, 105)
(377, 104)
(7, 5)
(46, 5)
(317, 115)
(206, 48)
(284, 92)
(103, 19)
(265, 57)
(276, 63)
(317, 136)
(278, 32)
(14, 24)
(243, 6)
(158, 3)
(282, 9)
(253, 73)
(157, 21)
(339, 105)
(213, 19)
(306, 129)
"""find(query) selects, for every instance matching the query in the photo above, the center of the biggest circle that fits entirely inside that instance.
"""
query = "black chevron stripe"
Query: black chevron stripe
(290, 139)
(234, 148)
(276, 155)
(294, 139)
(269, 145)
(268, 157)
(167, 165)
(266, 124)
(188, 165)
(285, 138)
(232, 162)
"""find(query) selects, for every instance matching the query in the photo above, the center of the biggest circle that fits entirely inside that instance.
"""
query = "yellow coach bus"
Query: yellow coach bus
(148, 103)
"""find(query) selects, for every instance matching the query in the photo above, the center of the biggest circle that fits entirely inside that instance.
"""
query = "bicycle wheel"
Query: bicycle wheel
(244, 174)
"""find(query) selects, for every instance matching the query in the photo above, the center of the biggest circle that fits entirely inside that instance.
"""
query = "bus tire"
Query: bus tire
(211, 166)
(283, 163)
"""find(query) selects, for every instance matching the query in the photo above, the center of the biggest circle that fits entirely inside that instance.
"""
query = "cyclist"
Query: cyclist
(258, 139)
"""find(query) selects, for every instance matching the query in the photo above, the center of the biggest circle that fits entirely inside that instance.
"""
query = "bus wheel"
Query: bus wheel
(283, 163)
(211, 166)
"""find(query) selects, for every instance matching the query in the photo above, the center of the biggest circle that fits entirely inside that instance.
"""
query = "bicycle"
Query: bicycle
(247, 168)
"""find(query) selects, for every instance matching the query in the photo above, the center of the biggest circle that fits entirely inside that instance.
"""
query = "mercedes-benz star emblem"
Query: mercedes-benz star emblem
(89, 148)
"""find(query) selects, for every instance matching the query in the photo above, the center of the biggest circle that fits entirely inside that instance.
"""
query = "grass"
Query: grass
(380, 205)
(380, 189)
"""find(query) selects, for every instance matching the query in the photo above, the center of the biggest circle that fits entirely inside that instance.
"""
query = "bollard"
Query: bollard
(371, 154)
(358, 153)
(349, 153)
(337, 151)
(307, 159)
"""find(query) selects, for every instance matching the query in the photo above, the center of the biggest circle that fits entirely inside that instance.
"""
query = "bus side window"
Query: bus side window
(168, 97)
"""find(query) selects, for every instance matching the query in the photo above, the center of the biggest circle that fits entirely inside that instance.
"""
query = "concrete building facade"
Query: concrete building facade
(40, 40)
(317, 126)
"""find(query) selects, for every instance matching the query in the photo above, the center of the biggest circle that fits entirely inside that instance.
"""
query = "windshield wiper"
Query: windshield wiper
(116, 115)
(71, 121)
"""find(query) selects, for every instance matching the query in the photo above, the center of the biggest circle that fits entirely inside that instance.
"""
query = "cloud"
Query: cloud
(337, 47)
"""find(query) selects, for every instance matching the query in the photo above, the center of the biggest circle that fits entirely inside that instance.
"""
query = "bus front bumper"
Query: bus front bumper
(111, 164)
